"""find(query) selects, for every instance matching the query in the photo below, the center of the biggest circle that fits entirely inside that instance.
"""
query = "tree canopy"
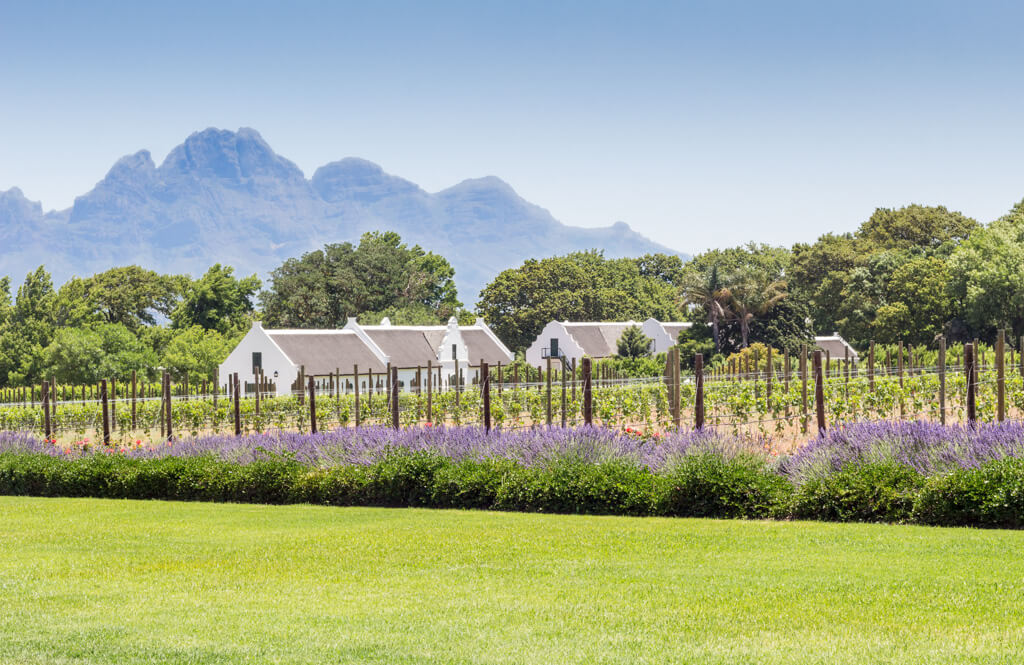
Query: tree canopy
(583, 286)
(325, 287)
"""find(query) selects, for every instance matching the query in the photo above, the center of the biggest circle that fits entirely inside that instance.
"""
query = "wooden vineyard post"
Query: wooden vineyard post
(971, 381)
(135, 393)
(588, 397)
(256, 380)
(430, 392)
(942, 380)
(355, 381)
(168, 411)
(846, 372)
(235, 403)
(387, 385)
(163, 398)
(565, 397)
(46, 410)
(457, 386)
(871, 367)
(899, 372)
(1001, 376)
(104, 399)
(786, 368)
(574, 379)
(677, 407)
(312, 405)
(698, 377)
(1020, 354)
(485, 393)
(393, 396)
(803, 382)
(768, 380)
(500, 377)
(819, 393)
(549, 392)
(113, 404)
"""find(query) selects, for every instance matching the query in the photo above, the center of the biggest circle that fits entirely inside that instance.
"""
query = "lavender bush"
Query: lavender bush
(347, 446)
(928, 448)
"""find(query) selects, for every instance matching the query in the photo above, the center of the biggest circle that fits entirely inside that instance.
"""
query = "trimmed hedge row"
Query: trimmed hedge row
(700, 485)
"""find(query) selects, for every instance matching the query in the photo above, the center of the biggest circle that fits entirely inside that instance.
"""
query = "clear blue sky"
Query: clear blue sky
(699, 124)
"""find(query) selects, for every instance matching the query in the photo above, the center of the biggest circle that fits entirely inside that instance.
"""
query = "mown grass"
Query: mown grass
(106, 581)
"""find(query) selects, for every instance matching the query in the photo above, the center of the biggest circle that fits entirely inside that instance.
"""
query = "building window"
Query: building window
(257, 361)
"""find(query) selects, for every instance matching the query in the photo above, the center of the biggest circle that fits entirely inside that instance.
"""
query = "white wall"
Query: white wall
(240, 360)
(566, 345)
(662, 340)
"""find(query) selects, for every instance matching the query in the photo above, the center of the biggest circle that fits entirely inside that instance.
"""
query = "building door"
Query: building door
(554, 347)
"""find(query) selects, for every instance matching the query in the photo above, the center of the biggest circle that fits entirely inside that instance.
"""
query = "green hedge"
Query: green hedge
(700, 485)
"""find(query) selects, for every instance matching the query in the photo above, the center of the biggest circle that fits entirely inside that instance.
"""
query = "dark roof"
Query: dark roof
(323, 352)
(599, 340)
(480, 345)
(406, 347)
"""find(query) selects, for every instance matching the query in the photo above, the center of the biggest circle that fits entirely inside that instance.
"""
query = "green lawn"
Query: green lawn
(96, 581)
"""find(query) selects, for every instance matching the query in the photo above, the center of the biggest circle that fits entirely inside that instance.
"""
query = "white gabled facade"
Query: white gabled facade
(276, 365)
(282, 369)
(554, 341)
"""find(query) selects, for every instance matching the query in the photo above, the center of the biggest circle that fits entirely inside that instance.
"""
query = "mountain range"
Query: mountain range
(227, 197)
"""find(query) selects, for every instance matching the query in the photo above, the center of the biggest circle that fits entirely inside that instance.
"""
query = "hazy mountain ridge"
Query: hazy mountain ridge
(227, 197)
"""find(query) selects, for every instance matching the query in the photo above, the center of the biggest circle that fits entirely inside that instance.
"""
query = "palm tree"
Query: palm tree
(750, 297)
(709, 295)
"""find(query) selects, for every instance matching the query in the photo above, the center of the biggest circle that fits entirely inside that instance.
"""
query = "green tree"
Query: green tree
(28, 330)
(324, 287)
(987, 279)
(634, 343)
(100, 351)
(196, 352)
(751, 296)
(583, 286)
(916, 226)
(917, 302)
(129, 295)
(217, 300)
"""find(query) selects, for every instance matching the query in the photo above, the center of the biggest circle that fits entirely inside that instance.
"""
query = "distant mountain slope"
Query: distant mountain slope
(227, 197)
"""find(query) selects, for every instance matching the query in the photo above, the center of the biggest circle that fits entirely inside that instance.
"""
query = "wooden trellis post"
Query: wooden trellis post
(942, 380)
(485, 393)
(803, 383)
(1001, 376)
(106, 412)
(355, 380)
(46, 410)
(972, 379)
(548, 400)
(312, 405)
(819, 393)
(698, 405)
(237, 406)
(588, 398)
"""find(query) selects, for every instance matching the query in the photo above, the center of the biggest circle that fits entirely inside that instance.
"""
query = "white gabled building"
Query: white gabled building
(573, 339)
(324, 353)
(664, 334)
(835, 346)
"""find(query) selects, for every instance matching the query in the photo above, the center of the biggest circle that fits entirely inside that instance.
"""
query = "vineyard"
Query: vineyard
(773, 400)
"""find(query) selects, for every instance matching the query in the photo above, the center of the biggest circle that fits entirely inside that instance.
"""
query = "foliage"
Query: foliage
(196, 352)
(325, 287)
(100, 351)
(584, 286)
(216, 301)
(28, 329)
(633, 343)
(986, 276)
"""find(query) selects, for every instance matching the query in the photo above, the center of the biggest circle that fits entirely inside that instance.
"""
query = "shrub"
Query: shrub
(882, 492)
(991, 495)
(710, 485)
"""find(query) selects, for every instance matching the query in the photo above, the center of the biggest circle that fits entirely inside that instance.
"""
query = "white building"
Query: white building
(573, 340)
(370, 349)
(835, 346)
(664, 334)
